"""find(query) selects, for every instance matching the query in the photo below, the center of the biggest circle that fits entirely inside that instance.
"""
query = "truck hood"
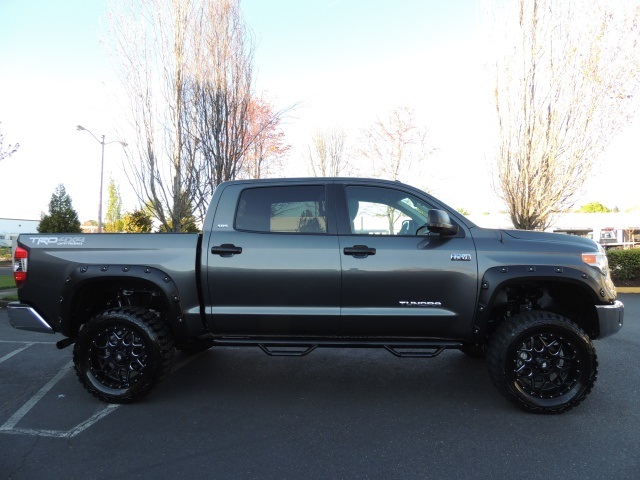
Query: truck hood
(529, 235)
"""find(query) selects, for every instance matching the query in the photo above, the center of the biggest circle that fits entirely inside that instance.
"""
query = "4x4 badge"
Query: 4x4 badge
(460, 257)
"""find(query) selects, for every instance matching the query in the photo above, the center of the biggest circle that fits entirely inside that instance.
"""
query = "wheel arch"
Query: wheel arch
(91, 289)
(506, 291)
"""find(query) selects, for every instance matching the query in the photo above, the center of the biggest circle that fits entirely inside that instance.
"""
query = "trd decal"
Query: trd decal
(57, 240)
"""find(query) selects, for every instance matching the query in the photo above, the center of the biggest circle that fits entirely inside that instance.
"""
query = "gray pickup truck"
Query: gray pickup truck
(289, 265)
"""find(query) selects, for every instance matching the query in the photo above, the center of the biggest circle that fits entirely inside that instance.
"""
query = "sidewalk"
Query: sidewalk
(5, 293)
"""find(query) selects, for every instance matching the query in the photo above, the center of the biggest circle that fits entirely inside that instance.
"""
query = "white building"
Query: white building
(10, 228)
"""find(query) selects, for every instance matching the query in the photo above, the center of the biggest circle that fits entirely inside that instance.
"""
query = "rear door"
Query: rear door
(274, 265)
(395, 282)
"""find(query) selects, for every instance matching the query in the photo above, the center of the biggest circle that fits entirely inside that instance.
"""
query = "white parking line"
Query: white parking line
(16, 417)
(15, 352)
(29, 342)
(64, 433)
(10, 425)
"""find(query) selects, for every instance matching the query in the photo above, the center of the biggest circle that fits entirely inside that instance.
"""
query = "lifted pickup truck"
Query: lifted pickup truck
(289, 265)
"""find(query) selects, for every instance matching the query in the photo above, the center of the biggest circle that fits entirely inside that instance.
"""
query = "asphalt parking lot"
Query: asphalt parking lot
(344, 414)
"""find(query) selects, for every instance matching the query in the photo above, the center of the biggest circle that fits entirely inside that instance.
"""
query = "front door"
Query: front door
(398, 283)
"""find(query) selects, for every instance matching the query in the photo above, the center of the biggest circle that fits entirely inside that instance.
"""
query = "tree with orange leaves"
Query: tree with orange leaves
(266, 143)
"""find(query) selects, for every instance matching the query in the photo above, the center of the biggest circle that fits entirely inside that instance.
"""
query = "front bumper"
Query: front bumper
(24, 317)
(610, 318)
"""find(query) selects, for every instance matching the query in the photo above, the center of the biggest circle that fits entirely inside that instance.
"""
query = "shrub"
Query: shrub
(624, 264)
(593, 207)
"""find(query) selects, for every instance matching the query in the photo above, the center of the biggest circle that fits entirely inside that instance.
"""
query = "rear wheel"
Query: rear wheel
(542, 362)
(121, 354)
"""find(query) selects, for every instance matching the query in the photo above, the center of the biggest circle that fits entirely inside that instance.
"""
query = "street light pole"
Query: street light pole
(101, 183)
(102, 143)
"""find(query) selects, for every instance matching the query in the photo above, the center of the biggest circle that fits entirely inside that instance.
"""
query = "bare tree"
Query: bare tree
(326, 153)
(6, 151)
(187, 69)
(565, 76)
(223, 89)
(393, 145)
(152, 41)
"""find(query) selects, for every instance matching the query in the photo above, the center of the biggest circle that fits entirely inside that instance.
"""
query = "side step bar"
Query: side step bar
(407, 348)
(415, 352)
(286, 350)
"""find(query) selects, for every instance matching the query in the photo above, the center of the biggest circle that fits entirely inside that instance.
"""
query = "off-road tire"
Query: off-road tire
(121, 354)
(542, 362)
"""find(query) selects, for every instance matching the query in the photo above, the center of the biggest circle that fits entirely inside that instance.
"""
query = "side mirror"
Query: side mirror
(438, 222)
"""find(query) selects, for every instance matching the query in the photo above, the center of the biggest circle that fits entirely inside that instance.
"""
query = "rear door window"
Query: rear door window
(295, 209)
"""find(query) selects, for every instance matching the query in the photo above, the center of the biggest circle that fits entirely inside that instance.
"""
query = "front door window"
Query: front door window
(383, 211)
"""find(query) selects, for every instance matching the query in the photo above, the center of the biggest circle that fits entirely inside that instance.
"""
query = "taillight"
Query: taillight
(20, 258)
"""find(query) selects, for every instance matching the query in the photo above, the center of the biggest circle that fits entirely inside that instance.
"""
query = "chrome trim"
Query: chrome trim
(610, 318)
(23, 317)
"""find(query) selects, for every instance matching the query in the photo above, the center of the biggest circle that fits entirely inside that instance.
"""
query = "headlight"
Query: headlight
(597, 260)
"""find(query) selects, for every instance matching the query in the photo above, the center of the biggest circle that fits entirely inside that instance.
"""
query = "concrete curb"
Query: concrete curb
(628, 289)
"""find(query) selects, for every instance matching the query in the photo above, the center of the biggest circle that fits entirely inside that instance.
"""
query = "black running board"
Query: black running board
(287, 350)
(298, 347)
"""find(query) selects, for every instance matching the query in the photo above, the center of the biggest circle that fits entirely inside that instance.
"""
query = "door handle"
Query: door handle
(226, 250)
(359, 251)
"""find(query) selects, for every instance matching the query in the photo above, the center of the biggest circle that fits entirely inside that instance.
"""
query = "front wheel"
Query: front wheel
(542, 362)
(122, 353)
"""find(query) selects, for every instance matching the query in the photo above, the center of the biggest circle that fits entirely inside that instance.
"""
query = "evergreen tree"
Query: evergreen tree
(62, 217)
(188, 223)
(137, 221)
(113, 222)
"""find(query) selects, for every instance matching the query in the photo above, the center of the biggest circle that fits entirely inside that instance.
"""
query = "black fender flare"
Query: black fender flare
(495, 279)
(84, 275)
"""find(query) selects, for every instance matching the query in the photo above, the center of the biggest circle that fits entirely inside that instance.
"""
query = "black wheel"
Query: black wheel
(121, 354)
(542, 362)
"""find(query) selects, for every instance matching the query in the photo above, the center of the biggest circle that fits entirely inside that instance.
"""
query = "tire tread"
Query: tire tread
(143, 319)
(509, 331)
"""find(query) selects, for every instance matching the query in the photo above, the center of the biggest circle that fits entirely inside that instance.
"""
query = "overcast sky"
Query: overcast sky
(341, 62)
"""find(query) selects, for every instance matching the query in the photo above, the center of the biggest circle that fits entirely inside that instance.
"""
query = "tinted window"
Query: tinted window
(282, 209)
(384, 211)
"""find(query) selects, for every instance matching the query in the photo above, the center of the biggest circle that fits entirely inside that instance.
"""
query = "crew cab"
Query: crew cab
(289, 265)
